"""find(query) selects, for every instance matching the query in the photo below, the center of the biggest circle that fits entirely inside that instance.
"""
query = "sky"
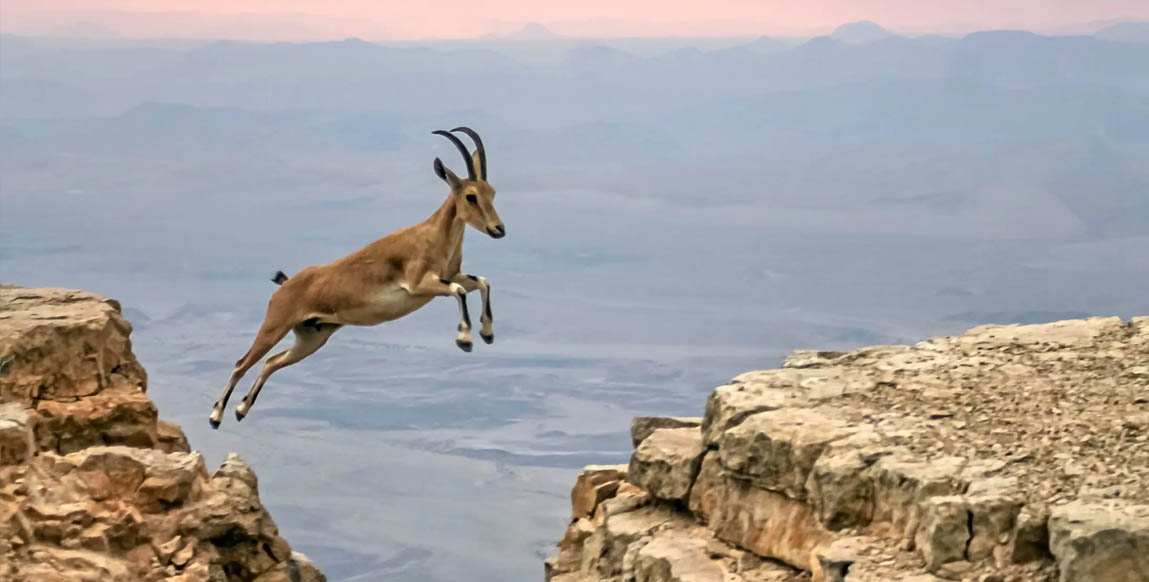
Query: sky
(444, 19)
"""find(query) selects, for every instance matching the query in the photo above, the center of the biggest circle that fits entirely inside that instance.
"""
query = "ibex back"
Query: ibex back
(383, 281)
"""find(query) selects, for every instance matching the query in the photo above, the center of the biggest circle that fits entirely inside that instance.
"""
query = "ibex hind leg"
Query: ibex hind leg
(266, 339)
(309, 337)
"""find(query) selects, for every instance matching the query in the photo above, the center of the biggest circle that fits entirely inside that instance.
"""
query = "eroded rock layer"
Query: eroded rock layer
(1008, 454)
(93, 487)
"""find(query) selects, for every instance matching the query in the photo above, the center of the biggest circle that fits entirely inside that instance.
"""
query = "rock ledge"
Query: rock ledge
(93, 487)
(1007, 454)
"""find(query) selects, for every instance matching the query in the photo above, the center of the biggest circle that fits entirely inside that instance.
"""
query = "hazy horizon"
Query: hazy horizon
(296, 20)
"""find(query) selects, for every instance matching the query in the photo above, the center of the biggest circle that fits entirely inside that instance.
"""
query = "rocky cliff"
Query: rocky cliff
(1010, 453)
(93, 486)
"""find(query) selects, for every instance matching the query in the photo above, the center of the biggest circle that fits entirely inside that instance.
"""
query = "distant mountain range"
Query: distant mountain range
(860, 32)
(1126, 32)
(856, 116)
(42, 79)
(528, 31)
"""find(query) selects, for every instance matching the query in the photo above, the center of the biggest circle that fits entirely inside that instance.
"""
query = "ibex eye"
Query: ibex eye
(472, 199)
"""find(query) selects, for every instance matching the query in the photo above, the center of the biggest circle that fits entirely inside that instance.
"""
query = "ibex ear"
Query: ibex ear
(445, 174)
(478, 165)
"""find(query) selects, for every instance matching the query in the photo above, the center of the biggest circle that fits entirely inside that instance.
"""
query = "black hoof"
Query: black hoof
(214, 423)
(239, 416)
(465, 346)
(489, 339)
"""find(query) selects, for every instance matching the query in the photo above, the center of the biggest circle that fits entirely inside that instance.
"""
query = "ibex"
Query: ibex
(383, 281)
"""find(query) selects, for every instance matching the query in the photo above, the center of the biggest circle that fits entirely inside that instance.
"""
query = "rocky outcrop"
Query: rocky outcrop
(93, 487)
(1009, 454)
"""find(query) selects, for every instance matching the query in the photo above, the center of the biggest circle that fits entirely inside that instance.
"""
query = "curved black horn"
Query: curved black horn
(478, 148)
(462, 150)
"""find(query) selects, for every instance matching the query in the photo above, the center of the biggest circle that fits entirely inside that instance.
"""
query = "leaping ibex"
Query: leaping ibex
(383, 281)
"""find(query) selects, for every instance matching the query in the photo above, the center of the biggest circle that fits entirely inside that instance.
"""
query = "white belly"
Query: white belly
(391, 303)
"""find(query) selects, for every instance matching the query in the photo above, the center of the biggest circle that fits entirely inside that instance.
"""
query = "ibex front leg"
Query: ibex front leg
(470, 283)
(431, 284)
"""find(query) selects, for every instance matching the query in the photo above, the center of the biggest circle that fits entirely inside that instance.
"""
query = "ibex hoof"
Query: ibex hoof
(489, 339)
(464, 345)
(214, 423)
(240, 411)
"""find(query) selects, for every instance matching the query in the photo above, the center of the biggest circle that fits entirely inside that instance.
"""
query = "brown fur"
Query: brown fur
(383, 281)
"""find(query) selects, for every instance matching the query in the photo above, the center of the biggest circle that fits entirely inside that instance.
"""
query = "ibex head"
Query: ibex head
(474, 197)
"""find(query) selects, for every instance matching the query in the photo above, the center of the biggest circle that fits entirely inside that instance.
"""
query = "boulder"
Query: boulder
(114, 416)
(1100, 542)
(595, 484)
(776, 450)
(767, 390)
(993, 519)
(676, 557)
(61, 344)
(902, 483)
(666, 462)
(944, 532)
(642, 426)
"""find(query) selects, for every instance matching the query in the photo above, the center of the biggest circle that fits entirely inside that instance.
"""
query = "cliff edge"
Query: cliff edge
(1008, 454)
(93, 486)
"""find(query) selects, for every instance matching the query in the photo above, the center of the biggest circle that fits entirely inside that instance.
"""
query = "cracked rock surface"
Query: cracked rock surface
(1009, 454)
(93, 487)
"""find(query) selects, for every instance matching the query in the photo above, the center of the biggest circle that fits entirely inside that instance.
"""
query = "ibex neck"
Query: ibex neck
(448, 224)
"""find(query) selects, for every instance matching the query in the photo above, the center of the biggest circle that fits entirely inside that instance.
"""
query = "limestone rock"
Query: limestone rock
(841, 486)
(777, 449)
(628, 498)
(595, 484)
(834, 560)
(63, 344)
(762, 391)
(653, 542)
(1061, 334)
(993, 518)
(93, 487)
(1100, 542)
(16, 443)
(676, 557)
(706, 492)
(1031, 535)
(666, 462)
(170, 438)
(642, 426)
(919, 463)
(902, 483)
(620, 532)
(110, 417)
(296, 568)
(569, 556)
(944, 532)
(767, 523)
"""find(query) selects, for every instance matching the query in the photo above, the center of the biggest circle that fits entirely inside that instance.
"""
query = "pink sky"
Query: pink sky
(406, 19)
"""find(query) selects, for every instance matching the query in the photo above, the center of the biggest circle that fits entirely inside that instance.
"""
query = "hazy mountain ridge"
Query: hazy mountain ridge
(1125, 32)
(360, 75)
